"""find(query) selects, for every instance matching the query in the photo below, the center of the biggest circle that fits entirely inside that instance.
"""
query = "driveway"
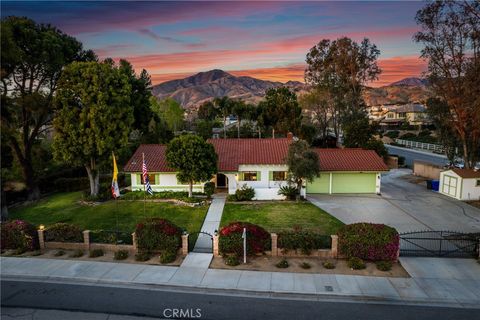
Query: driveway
(403, 205)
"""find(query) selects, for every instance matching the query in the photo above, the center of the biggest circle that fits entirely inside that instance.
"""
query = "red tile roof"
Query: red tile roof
(234, 152)
(350, 160)
(154, 158)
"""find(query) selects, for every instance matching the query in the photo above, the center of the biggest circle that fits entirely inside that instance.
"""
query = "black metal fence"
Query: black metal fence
(439, 244)
(111, 237)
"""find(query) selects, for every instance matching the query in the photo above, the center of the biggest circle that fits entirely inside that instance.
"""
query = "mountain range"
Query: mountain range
(190, 92)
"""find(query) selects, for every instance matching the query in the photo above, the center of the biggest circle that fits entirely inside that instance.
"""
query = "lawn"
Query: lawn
(65, 207)
(277, 216)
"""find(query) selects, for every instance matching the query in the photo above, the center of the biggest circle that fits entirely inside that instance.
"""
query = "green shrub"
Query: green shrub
(104, 193)
(392, 134)
(63, 232)
(71, 184)
(59, 253)
(110, 237)
(231, 197)
(303, 240)
(120, 255)
(142, 256)
(158, 235)
(356, 263)
(209, 189)
(290, 192)
(19, 235)
(232, 260)
(140, 195)
(305, 265)
(96, 253)
(168, 256)
(384, 265)
(283, 264)
(231, 242)
(245, 193)
(369, 241)
(328, 265)
(77, 253)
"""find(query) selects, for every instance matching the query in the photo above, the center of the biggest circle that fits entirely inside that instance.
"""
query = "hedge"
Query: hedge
(158, 235)
(19, 235)
(139, 195)
(305, 241)
(369, 241)
(63, 232)
(231, 242)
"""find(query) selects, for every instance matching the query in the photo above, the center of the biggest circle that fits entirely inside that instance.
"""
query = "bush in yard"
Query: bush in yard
(356, 263)
(305, 265)
(168, 256)
(19, 235)
(232, 260)
(96, 253)
(303, 240)
(63, 232)
(209, 189)
(384, 265)
(245, 193)
(282, 264)
(369, 241)
(120, 255)
(142, 256)
(231, 242)
(59, 253)
(77, 253)
(328, 265)
(158, 235)
(290, 192)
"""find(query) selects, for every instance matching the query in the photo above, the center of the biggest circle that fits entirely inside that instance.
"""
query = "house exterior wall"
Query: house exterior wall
(470, 190)
(164, 181)
(265, 187)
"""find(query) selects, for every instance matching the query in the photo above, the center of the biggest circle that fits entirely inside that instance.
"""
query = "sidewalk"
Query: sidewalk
(210, 224)
(462, 290)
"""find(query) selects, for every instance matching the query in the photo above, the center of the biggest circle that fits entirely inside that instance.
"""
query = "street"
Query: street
(155, 302)
(412, 154)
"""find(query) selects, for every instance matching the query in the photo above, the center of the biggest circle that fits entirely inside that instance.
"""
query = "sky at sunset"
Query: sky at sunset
(266, 40)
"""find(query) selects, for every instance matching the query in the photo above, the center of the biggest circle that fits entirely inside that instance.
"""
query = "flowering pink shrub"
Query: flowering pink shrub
(157, 234)
(369, 241)
(231, 242)
(19, 235)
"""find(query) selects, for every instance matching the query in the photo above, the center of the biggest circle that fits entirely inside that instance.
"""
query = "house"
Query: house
(413, 114)
(260, 164)
(461, 184)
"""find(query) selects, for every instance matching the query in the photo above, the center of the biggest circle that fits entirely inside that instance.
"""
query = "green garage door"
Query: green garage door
(319, 185)
(354, 182)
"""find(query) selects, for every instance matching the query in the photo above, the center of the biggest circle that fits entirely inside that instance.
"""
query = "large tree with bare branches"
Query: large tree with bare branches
(450, 33)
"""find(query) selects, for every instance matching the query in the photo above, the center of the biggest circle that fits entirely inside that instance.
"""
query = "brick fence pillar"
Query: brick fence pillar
(184, 244)
(216, 252)
(134, 242)
(41, 238)
(274, 244)
(86, 239)
(334, 249)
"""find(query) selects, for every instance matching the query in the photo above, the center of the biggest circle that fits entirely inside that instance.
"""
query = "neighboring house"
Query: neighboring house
(260, 164)
(461, 184)
(413, 114)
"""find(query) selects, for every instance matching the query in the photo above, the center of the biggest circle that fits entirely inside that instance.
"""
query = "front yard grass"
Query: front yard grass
(66, 207)
(280, 215)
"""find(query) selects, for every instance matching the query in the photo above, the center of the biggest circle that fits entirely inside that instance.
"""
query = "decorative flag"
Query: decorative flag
(146, 181)
(115, 190)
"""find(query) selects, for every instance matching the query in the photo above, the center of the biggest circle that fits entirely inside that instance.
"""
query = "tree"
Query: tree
(204, 128)
(193, 158)
(171, 111)
(303, 163)
(94, 116)
(33, 56)
(319, 103)
(357, 130)
(207, 111)
(240, 110)
(342, 68)
(281, 111)
(224, 105)
(439, 112)
(451, 38)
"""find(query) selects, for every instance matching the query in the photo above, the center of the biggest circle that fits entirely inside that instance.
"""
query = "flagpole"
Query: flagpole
(144, 190)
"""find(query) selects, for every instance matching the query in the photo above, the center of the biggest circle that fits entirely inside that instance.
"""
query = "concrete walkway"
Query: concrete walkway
(457, 287)
(211, 223)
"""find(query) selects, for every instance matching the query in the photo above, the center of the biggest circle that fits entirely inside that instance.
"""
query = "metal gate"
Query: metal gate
(439, 244)
(203, 244)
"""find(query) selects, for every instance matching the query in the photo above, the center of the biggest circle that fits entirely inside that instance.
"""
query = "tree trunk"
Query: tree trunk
(4, 213)
(238, 127)
(30, 181)
(94, 179)
(466, 156)
(190, 189)
(224, 127)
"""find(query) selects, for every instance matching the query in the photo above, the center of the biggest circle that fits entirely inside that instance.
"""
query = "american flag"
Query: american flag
(146, 181)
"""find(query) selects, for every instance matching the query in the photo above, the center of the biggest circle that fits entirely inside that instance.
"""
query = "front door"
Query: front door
(221, 180)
